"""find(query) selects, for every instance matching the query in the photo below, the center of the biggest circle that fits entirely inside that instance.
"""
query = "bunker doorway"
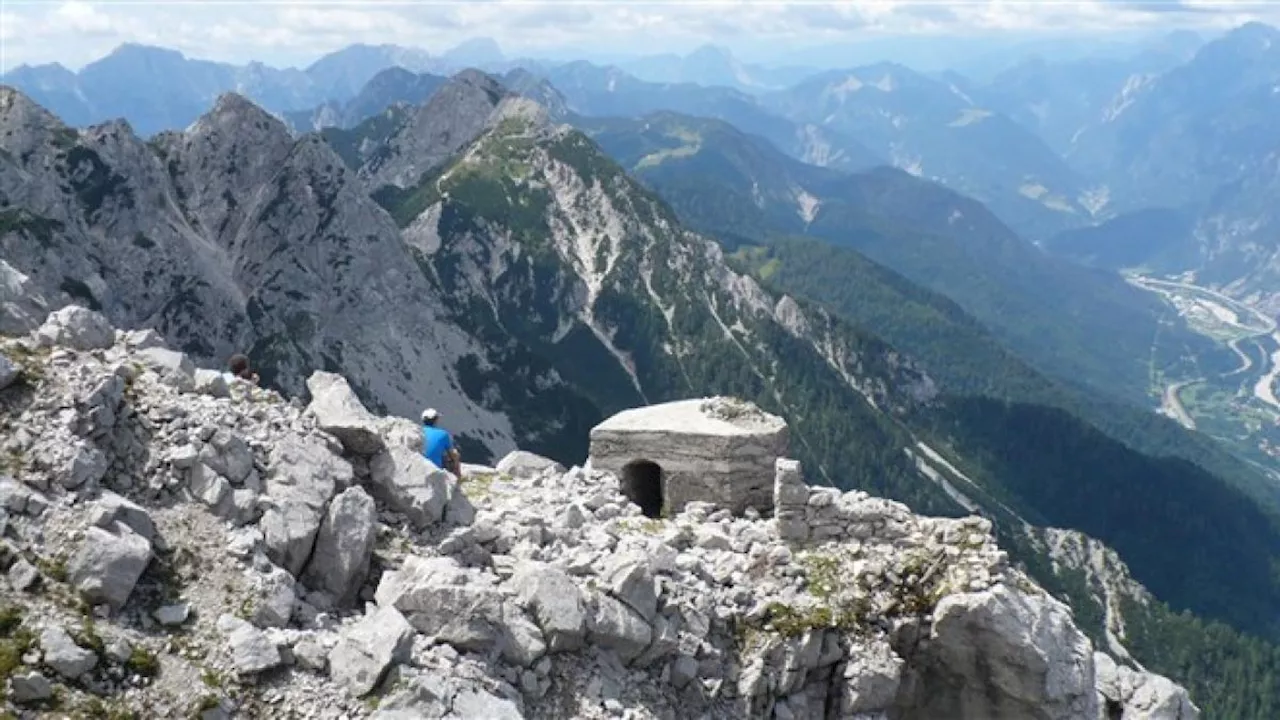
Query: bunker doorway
(642, 484)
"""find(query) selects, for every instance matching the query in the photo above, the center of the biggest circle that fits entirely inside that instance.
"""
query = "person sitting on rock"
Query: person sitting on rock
(437, 444)
(240, 368)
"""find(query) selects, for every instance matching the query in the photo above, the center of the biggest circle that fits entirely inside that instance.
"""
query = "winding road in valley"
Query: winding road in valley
(1264, 389)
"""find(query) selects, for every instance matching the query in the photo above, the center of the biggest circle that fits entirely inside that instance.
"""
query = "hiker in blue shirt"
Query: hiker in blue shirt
(437, 444)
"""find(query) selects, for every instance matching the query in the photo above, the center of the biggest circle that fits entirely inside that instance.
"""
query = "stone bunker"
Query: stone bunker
(719, 450)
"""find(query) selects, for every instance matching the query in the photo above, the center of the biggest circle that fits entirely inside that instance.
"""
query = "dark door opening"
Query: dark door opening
(642, 484)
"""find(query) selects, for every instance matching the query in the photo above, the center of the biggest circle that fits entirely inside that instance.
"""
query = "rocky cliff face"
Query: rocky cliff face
(176, 545)
(232, 237)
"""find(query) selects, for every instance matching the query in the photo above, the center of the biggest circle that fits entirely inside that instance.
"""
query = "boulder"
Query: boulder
(143, 339)
(13, 495)
(439, 597)
(303, 476)
(1036, 663)
(252, 651)
(212, 383)
(108, 564)
(409, 484)
(339, 412)
(111, 508)
(63, 655)
(274, 596)
(458, 510)
(630, 579)
(74, 463)
(1140, 695)
(555, 602)
(428, 694)
(368, 648)
(344, 546)
(227, 454)
(22, 575)
(210, 488)
(174, 368)
(522, 464)
(78, 328)
(30, 687)
(618, 627)
(522, 641)
(289, 534)
(871, 680)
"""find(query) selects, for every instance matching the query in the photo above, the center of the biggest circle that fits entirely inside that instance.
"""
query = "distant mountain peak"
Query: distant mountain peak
(710, 50)
(1252, 36)
(134, 49)
(475, 51)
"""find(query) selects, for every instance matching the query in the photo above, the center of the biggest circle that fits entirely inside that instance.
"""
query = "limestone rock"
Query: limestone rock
(556, 604)
(22, 307)
(274, 594)
(338, 411)
(228, 455)
(521, 463)
(112, 508)
(522, 641)
(631, 581)
(436, 695)
(618, 627)
(210, 488)
(30, 687)
(252, 651)
(368, 648)
(143, 339)
(1140, 696)
(441, 598)
(78, 328)
(211, 382)
(303, 478)
(172, 615)
(22, 575)
(108, 564)
(76, 462)
(717, 450)
(173, 367)
(63, 655)
(344, 546)
(1037, 663)
(871, 681)
(408, 483)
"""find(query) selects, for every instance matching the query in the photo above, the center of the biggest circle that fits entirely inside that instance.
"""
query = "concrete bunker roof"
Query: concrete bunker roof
(698, 416)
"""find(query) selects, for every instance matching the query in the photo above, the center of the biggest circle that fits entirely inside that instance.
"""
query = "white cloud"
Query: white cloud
(296, 32)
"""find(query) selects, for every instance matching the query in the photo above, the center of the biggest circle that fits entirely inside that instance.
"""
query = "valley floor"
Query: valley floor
(1238, 406)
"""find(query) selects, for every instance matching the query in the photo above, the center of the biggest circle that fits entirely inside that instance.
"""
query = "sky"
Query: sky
(295, 33)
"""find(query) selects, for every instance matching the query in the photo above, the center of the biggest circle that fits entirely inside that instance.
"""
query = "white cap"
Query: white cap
(430, 415)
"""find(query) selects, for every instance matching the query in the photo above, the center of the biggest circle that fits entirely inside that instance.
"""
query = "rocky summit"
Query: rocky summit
(178, 543)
